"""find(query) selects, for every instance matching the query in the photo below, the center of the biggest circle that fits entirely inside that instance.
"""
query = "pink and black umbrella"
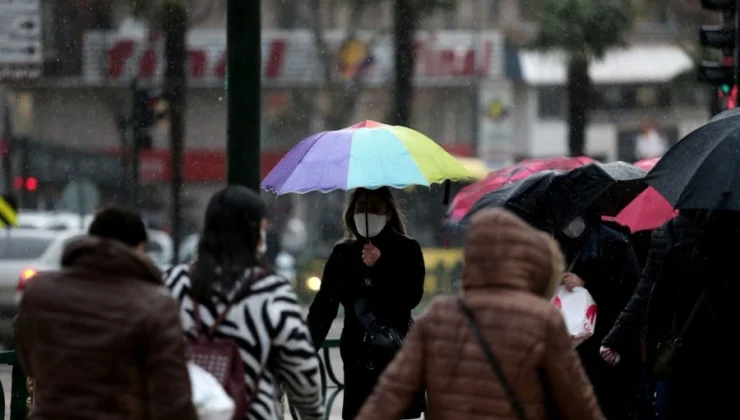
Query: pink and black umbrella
(468, 196)
(649, 210)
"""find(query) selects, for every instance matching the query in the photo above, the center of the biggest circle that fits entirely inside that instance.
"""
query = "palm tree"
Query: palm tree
(583, 30)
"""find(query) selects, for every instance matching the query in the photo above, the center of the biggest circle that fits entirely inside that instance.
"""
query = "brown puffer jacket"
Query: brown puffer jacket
(101, 339)
(510, 273)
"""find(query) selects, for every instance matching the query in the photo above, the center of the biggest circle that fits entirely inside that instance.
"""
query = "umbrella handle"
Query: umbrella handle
(367, 223)
(446, 199)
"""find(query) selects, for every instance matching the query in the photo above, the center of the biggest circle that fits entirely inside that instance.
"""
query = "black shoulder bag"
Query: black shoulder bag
(516, 404)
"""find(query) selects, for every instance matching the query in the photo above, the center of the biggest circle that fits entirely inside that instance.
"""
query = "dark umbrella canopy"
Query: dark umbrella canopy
(702, 171)
(608, 186)
(524, 197)
(550, 200)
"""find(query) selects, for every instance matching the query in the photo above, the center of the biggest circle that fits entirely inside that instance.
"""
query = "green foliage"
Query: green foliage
(583, 29)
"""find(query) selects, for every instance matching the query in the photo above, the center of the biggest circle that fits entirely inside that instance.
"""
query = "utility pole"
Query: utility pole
(7, 137)
(175, 25)
(243, 95)
(404, 29)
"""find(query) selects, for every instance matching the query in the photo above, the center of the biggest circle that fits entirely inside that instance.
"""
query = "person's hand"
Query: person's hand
(572, 281)
(609, 355)
(370, 255)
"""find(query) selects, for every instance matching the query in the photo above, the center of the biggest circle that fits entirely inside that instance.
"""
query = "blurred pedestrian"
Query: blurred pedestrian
(377, 274)
(510, 274)
(100, 338)
(242, 300)
(602, 260)
(650, 143)
(692, 311)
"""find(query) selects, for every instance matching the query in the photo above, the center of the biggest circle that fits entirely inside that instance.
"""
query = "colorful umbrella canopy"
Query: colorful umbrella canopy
(468, 196)
(649, 210)
(365, 155)
(477, 167)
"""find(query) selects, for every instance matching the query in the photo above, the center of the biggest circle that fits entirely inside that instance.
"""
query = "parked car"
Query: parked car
(160, 248)
(23, 254)
(54, 220)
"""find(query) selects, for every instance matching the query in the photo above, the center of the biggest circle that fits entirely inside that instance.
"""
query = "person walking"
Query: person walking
(100, 337)
(256, 308)
(377, 274)
(505, 320)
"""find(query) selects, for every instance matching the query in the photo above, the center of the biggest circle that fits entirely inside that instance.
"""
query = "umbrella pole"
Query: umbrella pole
(367, 223)
(446, 199)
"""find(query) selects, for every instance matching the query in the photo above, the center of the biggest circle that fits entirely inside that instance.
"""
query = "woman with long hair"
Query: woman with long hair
(259, 308)
(377, 274)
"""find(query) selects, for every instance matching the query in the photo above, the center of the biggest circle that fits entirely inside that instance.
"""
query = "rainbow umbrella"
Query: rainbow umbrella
(366, 155)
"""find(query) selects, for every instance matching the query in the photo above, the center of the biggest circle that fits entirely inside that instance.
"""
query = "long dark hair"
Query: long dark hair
(228, 245)
(384, 194)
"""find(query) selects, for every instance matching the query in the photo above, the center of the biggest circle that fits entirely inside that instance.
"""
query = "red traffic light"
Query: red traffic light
(32, 183)
(29, 184)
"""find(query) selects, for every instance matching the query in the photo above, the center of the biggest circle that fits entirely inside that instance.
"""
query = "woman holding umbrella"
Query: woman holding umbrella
(377, 274)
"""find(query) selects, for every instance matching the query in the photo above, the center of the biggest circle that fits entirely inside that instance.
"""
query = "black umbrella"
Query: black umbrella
(554, 198)
(524, 198)
(702, 171)
(608, 186)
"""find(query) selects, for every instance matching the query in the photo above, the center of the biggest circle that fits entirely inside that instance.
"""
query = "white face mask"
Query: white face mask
(375, 223)
(262, 247)
(575, 228)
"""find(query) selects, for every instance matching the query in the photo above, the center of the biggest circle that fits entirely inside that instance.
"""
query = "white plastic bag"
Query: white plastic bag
(579, 310)
(209, 397)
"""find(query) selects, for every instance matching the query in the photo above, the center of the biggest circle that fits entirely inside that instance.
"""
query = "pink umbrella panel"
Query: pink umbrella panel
(649, 210)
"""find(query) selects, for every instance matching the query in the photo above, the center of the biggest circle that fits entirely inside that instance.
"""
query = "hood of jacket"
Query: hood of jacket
(110, 257)
(503, 251)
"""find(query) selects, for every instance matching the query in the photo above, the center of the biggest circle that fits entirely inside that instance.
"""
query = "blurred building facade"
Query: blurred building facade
(478, 92)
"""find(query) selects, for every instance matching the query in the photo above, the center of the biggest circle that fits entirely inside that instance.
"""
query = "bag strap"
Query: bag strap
(516, 404)
(699, 303)
(692, 316)
(254, 276)
(199, 323)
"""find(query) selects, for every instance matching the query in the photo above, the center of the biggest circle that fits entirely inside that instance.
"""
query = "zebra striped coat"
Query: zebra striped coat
(273, 339)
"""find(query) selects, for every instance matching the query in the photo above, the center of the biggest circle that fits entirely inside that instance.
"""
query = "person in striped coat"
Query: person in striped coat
(265, 319)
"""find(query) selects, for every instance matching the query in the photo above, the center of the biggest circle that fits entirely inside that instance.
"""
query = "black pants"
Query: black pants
(359, 384)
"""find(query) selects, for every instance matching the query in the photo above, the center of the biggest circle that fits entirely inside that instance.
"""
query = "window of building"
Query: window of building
(494, 11)
(551, 102)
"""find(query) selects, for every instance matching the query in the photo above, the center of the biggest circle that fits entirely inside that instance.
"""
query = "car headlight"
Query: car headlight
(313, 283)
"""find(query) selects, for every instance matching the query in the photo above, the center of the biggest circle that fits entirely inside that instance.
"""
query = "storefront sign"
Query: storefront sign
(289, 58)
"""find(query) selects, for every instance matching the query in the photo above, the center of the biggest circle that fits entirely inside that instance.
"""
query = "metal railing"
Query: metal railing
(18, 388)
(327, 372)
(331, 386)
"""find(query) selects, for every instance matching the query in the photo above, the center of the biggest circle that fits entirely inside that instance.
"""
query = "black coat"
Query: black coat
(631, 322)
(394, 287)
(700, 258)
(610, 272)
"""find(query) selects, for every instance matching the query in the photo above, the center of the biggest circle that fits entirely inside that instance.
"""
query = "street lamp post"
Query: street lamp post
(244, 77)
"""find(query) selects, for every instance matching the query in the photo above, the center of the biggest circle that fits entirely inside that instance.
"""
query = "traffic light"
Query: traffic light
(728, 97)
(144, 116)
(724, 74)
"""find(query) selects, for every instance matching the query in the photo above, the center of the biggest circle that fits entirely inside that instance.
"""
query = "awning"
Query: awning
(649, 63)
